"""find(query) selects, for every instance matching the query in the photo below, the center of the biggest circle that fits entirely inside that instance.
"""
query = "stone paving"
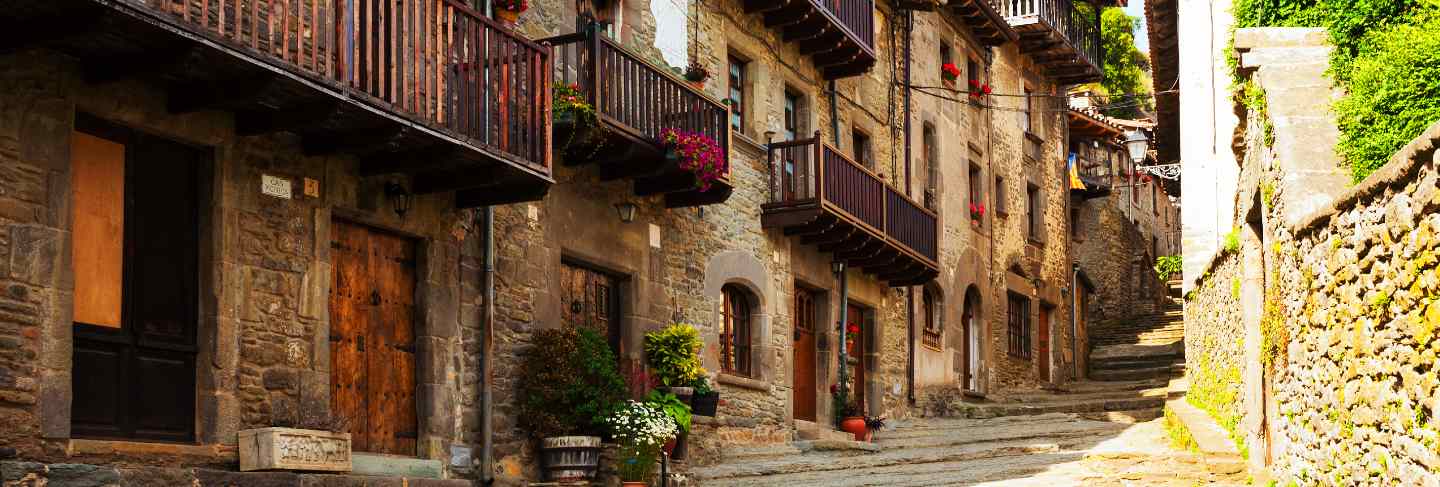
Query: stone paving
(1054, 449)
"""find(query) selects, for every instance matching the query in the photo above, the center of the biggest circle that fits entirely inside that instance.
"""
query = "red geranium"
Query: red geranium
(852, 331)
(949, 71)
(517, 6)
(977, 211)
(985, 89)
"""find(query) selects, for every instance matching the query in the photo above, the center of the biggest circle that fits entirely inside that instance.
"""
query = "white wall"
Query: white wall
(1207, 122)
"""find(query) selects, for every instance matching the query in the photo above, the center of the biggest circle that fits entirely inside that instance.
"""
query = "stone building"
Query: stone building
(1122, 219)
(324, 228)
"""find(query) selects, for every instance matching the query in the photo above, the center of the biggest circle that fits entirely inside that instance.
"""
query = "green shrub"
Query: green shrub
(569, 382)
(673, 355)
(1232, 240)
(1394, 94)
(673, 407)
(1166, 266)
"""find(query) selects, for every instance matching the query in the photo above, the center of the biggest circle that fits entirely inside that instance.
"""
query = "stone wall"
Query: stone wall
(1115, 254)
(1215, 345)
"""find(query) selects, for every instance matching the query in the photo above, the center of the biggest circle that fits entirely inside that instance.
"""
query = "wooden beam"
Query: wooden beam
(412, 161)
(476, 176)
(357, 142)
(782, 18)
(835, 235)
(501, 194)
(666, 183)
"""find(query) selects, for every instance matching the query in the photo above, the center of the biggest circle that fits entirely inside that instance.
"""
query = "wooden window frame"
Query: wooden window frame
(794, 102)
(861, 147)
(1034, 219)
(1017, 312)
(1001, 208)
(1028, 111)
(736, 357)
(736, 81)
(932, 332)
(976, 182)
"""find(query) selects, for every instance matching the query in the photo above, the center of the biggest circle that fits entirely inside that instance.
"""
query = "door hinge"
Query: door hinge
(375, 297)
(408, 348)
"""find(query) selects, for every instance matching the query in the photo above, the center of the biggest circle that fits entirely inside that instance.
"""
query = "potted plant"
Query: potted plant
(697, 153)
(696, 74)
(641, 430)
(508, 11)
(977, 212)
(852, 337)
(706, 399)
(673, 356)
(949, 72)
(678, 411)
(873, 424)
(568, 384)
(318, 441)
(847, 414)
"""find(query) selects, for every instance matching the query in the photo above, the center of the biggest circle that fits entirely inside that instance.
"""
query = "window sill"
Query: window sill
(748, 143)
(743, 382)
(128, 448)
(1001, 214)
(1032, 241)
(1034, 138)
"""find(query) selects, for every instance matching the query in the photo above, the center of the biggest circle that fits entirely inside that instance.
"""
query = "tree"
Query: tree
(1127, 70)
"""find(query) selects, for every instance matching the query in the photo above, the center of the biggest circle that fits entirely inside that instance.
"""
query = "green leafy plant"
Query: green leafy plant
(673, 406)
(1167, 265)
(641, 430)
(1232, 240)
(673, 355)
(702, 386)
(569, 382)
(1127, 69)
(1394, 94)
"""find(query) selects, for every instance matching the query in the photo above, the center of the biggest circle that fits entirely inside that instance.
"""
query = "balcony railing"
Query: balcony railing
(637, 101)
(1040, 22)
(1097, 176)
(838, 35)
(437, 62)
(818, 192)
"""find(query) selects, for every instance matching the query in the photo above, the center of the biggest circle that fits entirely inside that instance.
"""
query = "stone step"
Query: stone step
(955, 472)
(751, 453)
(991, 410)
(952, 437)
(1136, 374)
(1126, 417)
(790, 470)
(1137, 352)
(1119, 364)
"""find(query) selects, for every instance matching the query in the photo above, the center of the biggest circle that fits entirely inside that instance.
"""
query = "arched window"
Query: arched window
(735, 339)
(933, 328)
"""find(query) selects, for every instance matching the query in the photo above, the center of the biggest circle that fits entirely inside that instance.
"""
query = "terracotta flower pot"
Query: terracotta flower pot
(855, 425)
(633, 484)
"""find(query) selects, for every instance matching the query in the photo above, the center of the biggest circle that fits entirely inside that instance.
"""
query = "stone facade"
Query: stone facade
(1312, 332)
(264, 324)
(264, 337)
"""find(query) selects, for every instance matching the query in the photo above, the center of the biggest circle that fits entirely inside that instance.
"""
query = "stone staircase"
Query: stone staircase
(1151, 347)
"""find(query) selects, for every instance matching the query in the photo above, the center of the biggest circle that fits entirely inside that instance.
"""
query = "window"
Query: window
(931, 335)
(1154, 198)
(735, 342)
(738, 102)
(860, 148)
(792, 115)
(608, 16)
(975, 183)
(1027, 119)
(1033, 216)
(931, 169)
(1000, 194)
(1018, 320)
(134, 204)
(1075, 223)
(972, 69)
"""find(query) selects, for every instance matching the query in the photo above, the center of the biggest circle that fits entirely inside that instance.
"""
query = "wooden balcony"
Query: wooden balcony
(839, 35)
(1057, 37)
(828, 200)
(635, 101)
(985, 20)
(1098, 178)
(426, 88)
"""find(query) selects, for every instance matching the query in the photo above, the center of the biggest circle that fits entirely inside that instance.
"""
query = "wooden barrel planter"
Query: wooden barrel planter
(570, 458)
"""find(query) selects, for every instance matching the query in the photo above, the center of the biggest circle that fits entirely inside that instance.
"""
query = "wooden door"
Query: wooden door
(856, 349)
(590, 300)
(1044, 337)
(803, 363)
(134, 331)
(372, 338)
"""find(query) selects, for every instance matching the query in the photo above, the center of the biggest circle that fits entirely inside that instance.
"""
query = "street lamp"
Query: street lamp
(626, 210)
(1138, 144)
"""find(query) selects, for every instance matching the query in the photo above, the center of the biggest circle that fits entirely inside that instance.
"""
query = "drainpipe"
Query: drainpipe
(909, 291)
(835, 117)
(487, 410)
(1075, 319)
(844, 306)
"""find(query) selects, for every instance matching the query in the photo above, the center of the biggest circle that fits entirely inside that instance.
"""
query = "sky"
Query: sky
(1136, 8)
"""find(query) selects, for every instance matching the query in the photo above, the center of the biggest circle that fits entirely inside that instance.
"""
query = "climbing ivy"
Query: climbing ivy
(1167, 265)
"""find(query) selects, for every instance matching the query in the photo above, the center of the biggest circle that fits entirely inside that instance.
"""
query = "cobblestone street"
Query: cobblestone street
(1044, 450)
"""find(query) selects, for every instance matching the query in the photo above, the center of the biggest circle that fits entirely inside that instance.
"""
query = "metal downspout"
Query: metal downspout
(909, 291)
(487, 410)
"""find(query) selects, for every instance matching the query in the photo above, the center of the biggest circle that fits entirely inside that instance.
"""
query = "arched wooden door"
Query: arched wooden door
(804, 387)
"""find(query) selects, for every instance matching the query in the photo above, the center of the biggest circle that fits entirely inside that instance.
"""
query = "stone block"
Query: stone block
(156, 476)
(35, 254)
(437, 406)
(411, 468)
(316, 480)
(294, 449)
(1260, 37)
(11, 471)
(280, 378)
(80, 475)
(433, 355)
(221, 478)
(55, 404)
(315, 291)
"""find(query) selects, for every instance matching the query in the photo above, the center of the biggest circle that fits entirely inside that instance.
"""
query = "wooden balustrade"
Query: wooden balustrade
(1060, 16)
(808, 175)
(634, 96)
(437, 62)
(855, 16)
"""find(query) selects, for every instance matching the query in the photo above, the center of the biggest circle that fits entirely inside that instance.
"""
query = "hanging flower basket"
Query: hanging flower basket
(977, 212)
(696, 73)
(697, 153)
